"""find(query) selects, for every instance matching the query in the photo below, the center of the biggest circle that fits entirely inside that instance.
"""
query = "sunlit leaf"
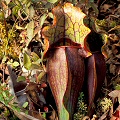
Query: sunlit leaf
(25, 105)
(44, 115)
(50, 15)
(21, 78)
(17, 2)
(35, 57)
(1, 15)
(10, 98)
(35, 66)
(4, 94)
(15, 108)
(28, 3)
(19, 27)
(31, 11)
(15, 64)
(27, 61)
(7, 1)
(42, 19)
(25, 1)
(52, 1)
(30, 30)
(27, 11)
(117, 87)
(15, 10)
(1, 98)
(41, 75)
(4, 59)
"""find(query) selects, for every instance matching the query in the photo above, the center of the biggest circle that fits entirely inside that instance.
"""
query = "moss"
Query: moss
(81, 108)
(103, 106)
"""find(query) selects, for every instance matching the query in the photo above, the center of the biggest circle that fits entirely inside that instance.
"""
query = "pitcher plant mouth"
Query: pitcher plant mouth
(68, 26)
(66, 42)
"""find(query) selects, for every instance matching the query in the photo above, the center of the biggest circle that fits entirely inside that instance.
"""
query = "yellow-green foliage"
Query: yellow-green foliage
(3, 39)
(8, 42)
(103, 106)
(102, 23)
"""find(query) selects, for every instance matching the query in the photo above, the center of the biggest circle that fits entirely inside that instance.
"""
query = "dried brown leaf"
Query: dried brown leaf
(115, 94)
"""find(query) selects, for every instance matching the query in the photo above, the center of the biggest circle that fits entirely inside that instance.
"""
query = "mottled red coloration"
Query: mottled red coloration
(65, 68)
